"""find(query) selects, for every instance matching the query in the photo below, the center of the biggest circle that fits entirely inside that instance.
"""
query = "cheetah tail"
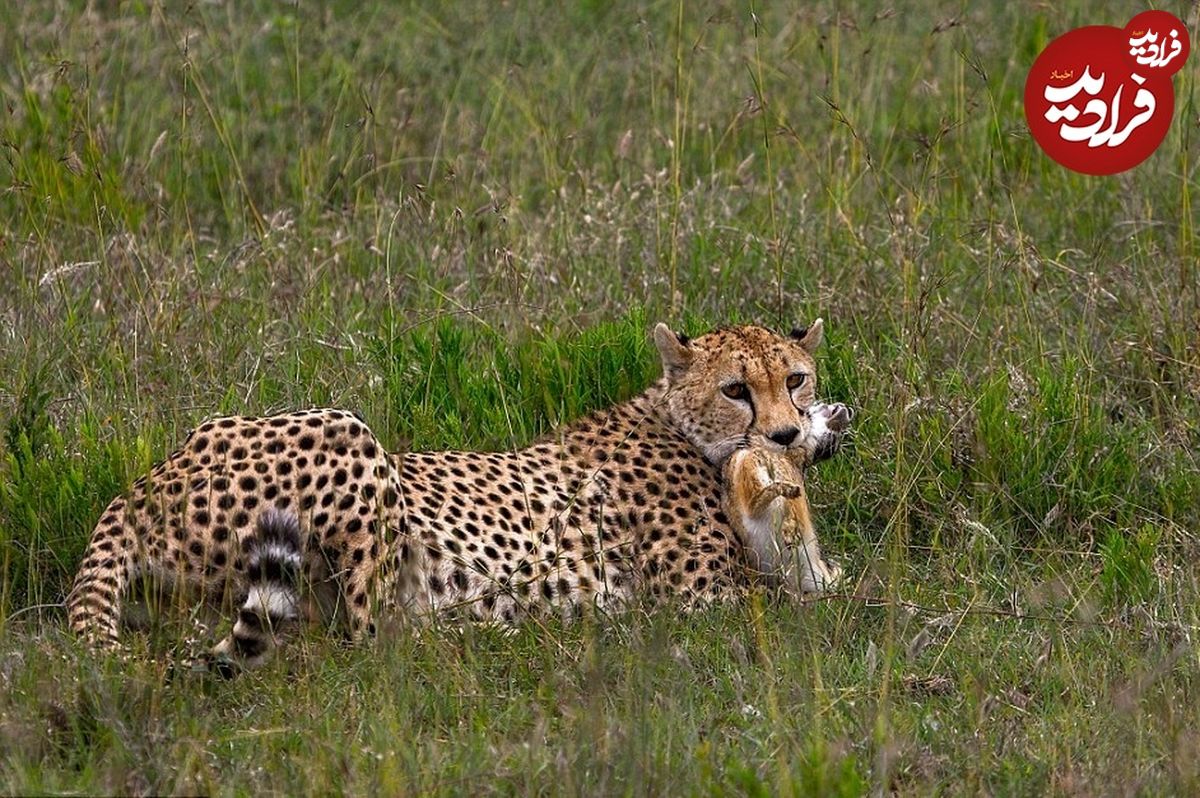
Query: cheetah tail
(273, 560)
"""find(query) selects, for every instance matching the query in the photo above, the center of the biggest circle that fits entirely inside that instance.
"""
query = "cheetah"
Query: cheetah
(766, 502)
(306, 516)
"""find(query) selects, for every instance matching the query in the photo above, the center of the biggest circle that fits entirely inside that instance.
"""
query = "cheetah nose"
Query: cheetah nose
(784, 436)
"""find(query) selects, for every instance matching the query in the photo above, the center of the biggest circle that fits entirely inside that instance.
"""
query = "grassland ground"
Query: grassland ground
(461, 222)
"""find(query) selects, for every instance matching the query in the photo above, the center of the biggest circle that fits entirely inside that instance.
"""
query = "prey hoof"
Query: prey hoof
(790, 490)
(839, 417)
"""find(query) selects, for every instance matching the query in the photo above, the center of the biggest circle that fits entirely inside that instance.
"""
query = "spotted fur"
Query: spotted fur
(624, 502)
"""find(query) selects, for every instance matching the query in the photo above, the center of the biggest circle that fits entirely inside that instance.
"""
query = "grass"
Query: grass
(462, 223)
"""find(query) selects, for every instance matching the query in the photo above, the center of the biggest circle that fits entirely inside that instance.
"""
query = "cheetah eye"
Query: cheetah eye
(736, 391)
(794, 381)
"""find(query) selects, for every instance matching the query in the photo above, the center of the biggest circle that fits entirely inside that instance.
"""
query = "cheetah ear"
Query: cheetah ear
(810, 337)
(676, 354)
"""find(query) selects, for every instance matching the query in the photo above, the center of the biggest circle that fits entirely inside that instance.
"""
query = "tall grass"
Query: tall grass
(462, 222)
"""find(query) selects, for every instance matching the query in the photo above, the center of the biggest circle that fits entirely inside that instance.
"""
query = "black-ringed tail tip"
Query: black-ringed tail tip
(273, 568)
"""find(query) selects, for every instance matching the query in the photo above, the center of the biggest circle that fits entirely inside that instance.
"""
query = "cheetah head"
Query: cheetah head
(747, 386)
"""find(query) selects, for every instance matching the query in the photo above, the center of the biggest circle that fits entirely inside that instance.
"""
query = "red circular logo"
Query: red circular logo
(1099, 99)
(1156, 42)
